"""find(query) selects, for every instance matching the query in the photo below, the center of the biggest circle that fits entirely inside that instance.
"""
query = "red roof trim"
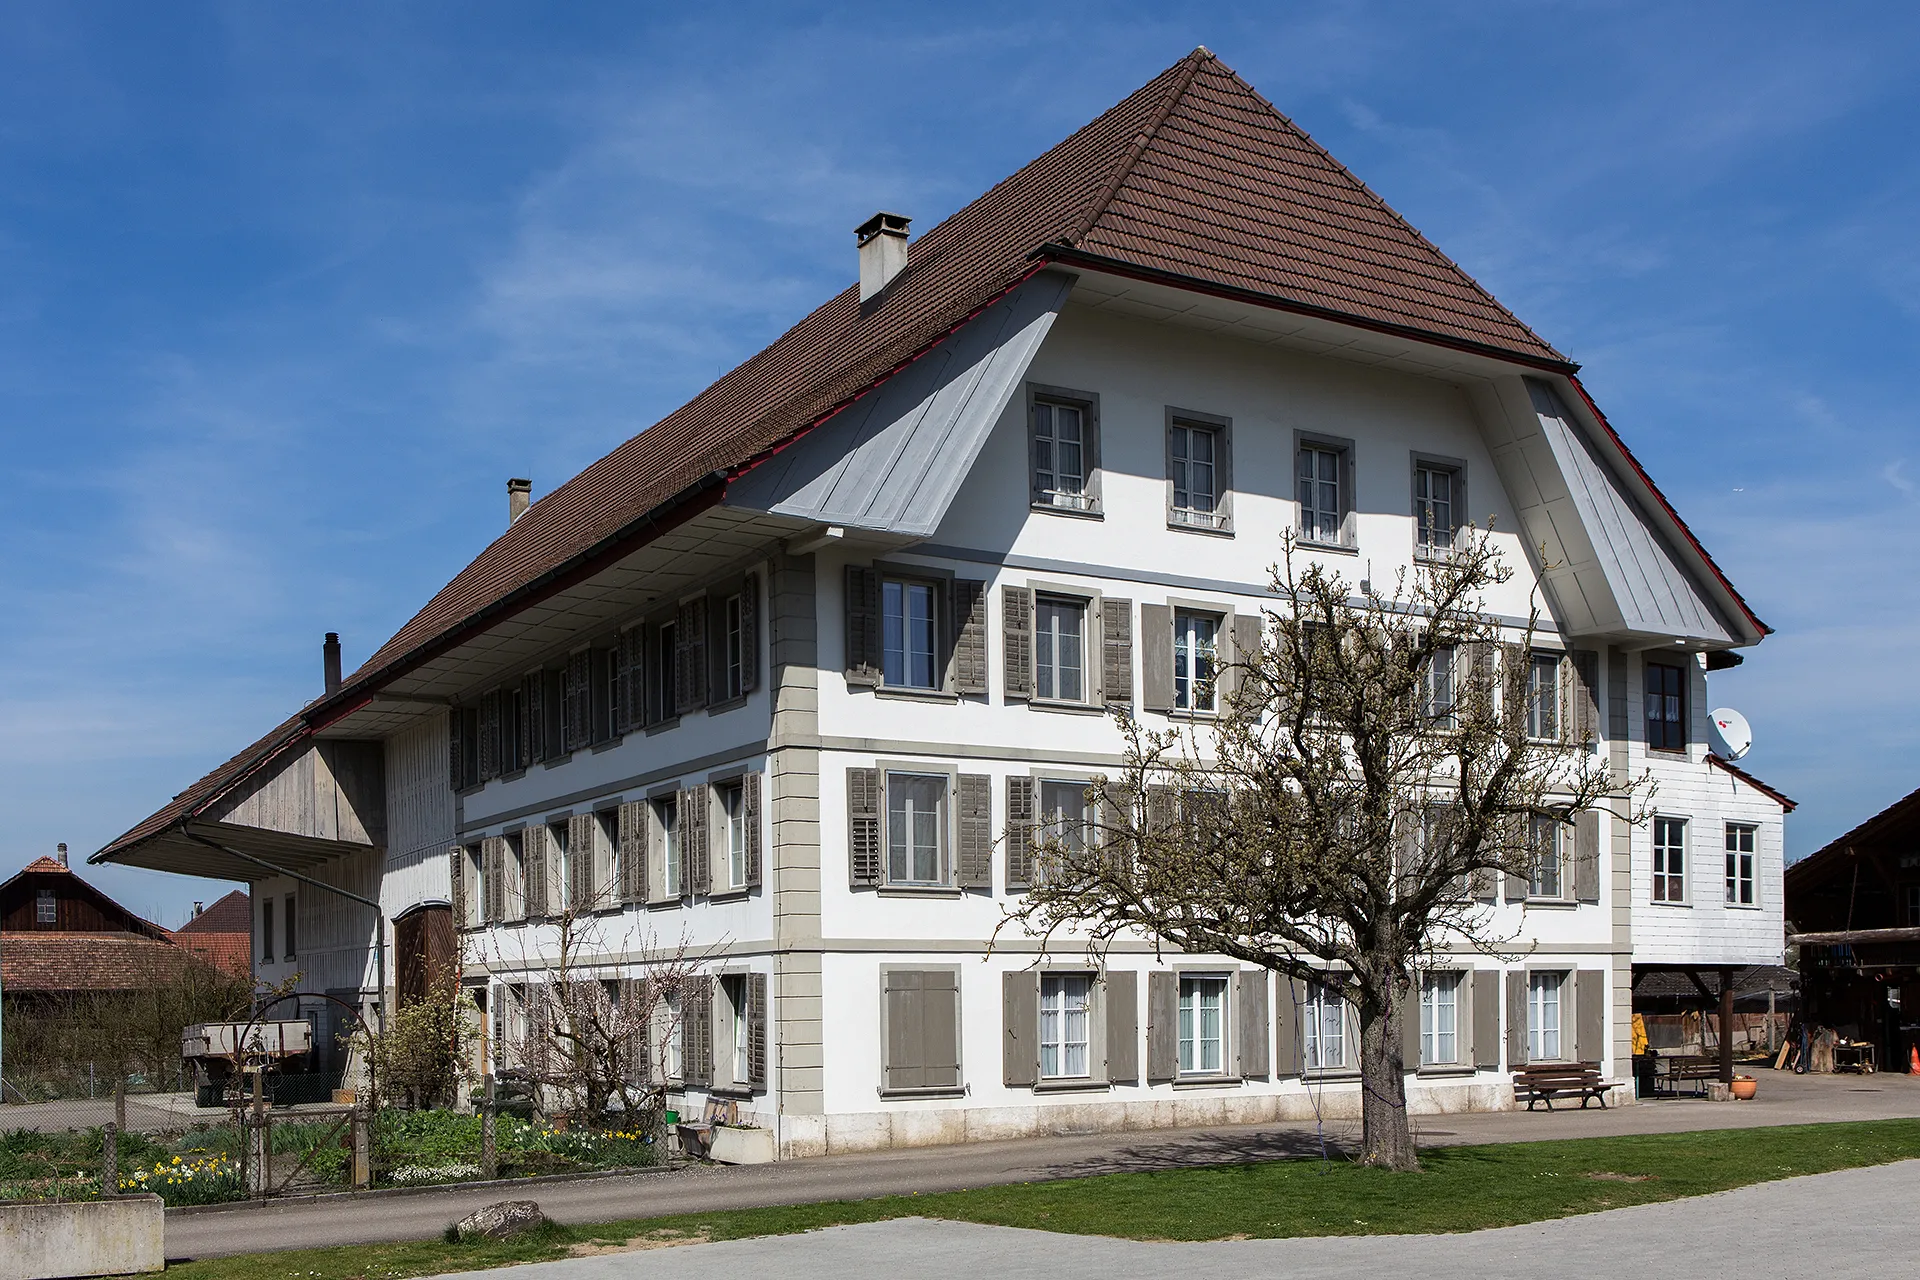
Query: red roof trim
(1784, 801)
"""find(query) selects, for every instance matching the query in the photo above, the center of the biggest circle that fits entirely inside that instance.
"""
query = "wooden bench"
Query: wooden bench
(1545, 1081)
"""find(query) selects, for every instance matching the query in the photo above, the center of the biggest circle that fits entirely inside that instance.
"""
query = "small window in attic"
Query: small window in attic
(46, 908)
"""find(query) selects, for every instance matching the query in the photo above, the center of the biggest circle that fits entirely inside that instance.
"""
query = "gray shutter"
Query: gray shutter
(490, 735)
(633, 680)
(1163, 1026)
(1286, 1024)
(757, 1032)
(967, 654)
(863, 826)
(696, 1034)
(579, 703)
(1586, 696)
(750, 633)
(696, 876)
(1119, 994)
(1484, 988)
(583, 889)
(1116, 652)
(1246, 648)
(1016, 627)
(457, 884)
(533, 872)
(1156, 657)
(1590, 1015)
(714, 660)
(975, 864)
(1586, 855)
(940, 1020)
(863, 625)
(1516, 830)
(1252, 1041)
(1410, 1027)
(1161, 810)
(555, 707)
(750, 814)
(456, 750)
(1020, 1028)
(1019, 832)
(1116, 817)
(601, 711)
(493, 857)
(533, 743)
(690, 669)
(633, 851)
(1516, 1018)
(1513, 682)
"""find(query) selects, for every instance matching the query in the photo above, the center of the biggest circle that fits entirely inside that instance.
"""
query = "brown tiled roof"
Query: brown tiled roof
(222, 935)
(67, 962)
(232, 914)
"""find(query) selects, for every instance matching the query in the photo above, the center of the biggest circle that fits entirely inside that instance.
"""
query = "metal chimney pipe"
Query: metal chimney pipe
(519, 497)
(330, 661)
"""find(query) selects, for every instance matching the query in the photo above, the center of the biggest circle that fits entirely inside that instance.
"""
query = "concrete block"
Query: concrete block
(122, 1236)
(859, 1131)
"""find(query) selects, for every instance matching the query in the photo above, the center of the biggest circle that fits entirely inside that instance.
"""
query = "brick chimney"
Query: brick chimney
(883, 251)
(330, 661)
(519, 497)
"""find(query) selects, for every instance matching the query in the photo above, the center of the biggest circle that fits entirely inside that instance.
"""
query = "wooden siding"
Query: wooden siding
(329, 791)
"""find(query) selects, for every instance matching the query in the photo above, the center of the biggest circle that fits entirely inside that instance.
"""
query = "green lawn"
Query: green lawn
(1462, 1189)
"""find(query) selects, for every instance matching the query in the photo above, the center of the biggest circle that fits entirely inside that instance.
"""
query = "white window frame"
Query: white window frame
(733, 616)
(1188, 506)
(1669, 861)
(1323, 1040)
(1433, 513)
(1309, 491)
(1186, 648)
(1050, 654)
(1743, 882)
(902, 587)
(1547, 860)
(1191, 1030)
(730, 796)
(942, 823)
(1080, 495)
(1440, 689)
(1546, 994)
(1440, 994)
(665, 827)
(1066, 1024)
(46, 907)
(1050, 823)
(1543, 695)
(737, 1060)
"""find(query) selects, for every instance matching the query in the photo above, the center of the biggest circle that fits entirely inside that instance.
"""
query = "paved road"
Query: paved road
(1838, 1226)
(1784, 1099)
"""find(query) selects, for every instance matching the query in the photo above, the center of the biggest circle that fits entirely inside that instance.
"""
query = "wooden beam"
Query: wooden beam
(1842, 937)
(1726, 1026)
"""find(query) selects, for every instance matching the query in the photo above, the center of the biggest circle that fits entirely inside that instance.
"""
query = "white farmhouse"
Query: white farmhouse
(795, 675)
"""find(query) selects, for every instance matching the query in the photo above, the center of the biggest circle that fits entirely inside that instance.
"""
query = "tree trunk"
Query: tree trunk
(1386, 1138)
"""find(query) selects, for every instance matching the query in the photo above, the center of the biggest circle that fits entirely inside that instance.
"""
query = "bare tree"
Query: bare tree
(1375, 764)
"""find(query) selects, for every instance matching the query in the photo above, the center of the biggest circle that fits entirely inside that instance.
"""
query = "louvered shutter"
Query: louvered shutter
(457, 884)
(715, 657)
(1586, 696)
(863, 826)
(631, 1029)
(1516, 834)
(631, 713)
(1119, 994)
(750, 815)
(1019, 832)
(533, 719)
(697, 873)
(975, 864)
(533, 871)
(697, 1034)
(968, 660)
(1163, 1032)
(1016, 627)
(493, 873)
(1156, 657)
(579, 700)
(1516, 1018)
(1116, 820)
(456, 751)
(490, 735)
(1020, 1029)
(757, 1032)
(750, 634)
(633, 851)
(863, 625)
(1286, 1026)
(1514, 660)
(583, 886)
(1116, 652)
(1161, 811)
(1586, 855)
(1251, 1044)
(690, 662)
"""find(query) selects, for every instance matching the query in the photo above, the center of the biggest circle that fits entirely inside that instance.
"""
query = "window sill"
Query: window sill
(515, 776)
(1066, 708)
(1557, 904)
(661, 726)
(1655, 902)
(741, 1091)
(554, 762)
(1430, 557)
(1333, 1075)
(1077, 1085)
(729, 704)
(1078, 513)
(908, 694)
(1208, 1082)
(1336, 548)
(730, 894)
(1210, 530)
(944, 1091)
(1445, 1071)
(607, 744)
(1745, 906)
(920, 891)
(656, 904)
(1177, 714)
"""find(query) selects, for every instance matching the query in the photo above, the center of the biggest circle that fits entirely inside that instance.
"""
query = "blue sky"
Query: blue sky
(287, 292)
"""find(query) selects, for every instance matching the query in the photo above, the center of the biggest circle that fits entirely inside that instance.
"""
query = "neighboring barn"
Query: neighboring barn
(222, 935)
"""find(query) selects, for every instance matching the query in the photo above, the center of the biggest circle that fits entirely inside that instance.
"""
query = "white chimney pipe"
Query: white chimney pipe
(519, 495)
(883, 251)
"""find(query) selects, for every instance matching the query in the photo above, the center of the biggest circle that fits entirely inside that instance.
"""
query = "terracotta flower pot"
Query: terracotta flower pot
(1744, 1087)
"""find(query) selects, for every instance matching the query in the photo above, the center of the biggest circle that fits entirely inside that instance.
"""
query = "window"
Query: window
(916, 828)
(1543, 1016)
(1059, 649)
(1194, 468)
(1065, 819)
(734, 827)
(286, 932)
(1326, 1028)
(559, 885)
(666, 820)
(1195, 669)
(1439, 1019)
(739, 1045)
(1740, 864)
(1203, 1024)
(1544, 845)
(266, 929)
(1669, 859)
(733, 616)
(1435, 499)
(675, 1048)
(1543, 696)
(46, 907)
(1322, 513)
(1062, 456)
(666, 673)
(1064, 1025)
(907, 626)
(1439, 688)
(1666, 707)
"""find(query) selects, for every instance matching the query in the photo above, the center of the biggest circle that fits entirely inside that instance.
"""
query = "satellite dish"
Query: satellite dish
(1735, 734)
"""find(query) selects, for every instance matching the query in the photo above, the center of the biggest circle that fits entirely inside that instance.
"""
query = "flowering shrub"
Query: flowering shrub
(414, 1174)
(209, 1179)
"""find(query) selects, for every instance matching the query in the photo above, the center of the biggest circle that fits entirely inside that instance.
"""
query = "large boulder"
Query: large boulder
(501, 1221)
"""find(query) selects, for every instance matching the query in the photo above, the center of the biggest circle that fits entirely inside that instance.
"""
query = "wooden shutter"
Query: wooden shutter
(1410, 1026)
(1120, 1003)
(633, 851)
(922, 1025)
(533, 872)
(1019, 832)
(583, 886)
(1516, 1018)
(1251, 1043)
(690, 657)
(750, 815)
(1163, 1026)
(533, 717)
(863, 826)
(750, 634)
(632, 712)
(756, 985)
(457, 884)
(1286, 1026)
(1156, 657)
(1514, 661)
(696, 1034)
(1589, 1014)
(493, 856)
(1161, 810)
(1516, 833)
(576, 706)
(696, 876)
(1116, 652)
(456, 750)
(1020, 1028)
(863, 625)
(1116, 816)
(490, 735)
(940, 990)
(1016, 634)
(1586, 855)
(1483, 985)
(975, 864)
(1246, 649)
(967, 652)
(1586, 696)
(714, 660)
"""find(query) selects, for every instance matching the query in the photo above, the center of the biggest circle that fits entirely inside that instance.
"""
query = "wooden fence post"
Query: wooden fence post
(362, 1147)
(489, 1148)
(109, 1160)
